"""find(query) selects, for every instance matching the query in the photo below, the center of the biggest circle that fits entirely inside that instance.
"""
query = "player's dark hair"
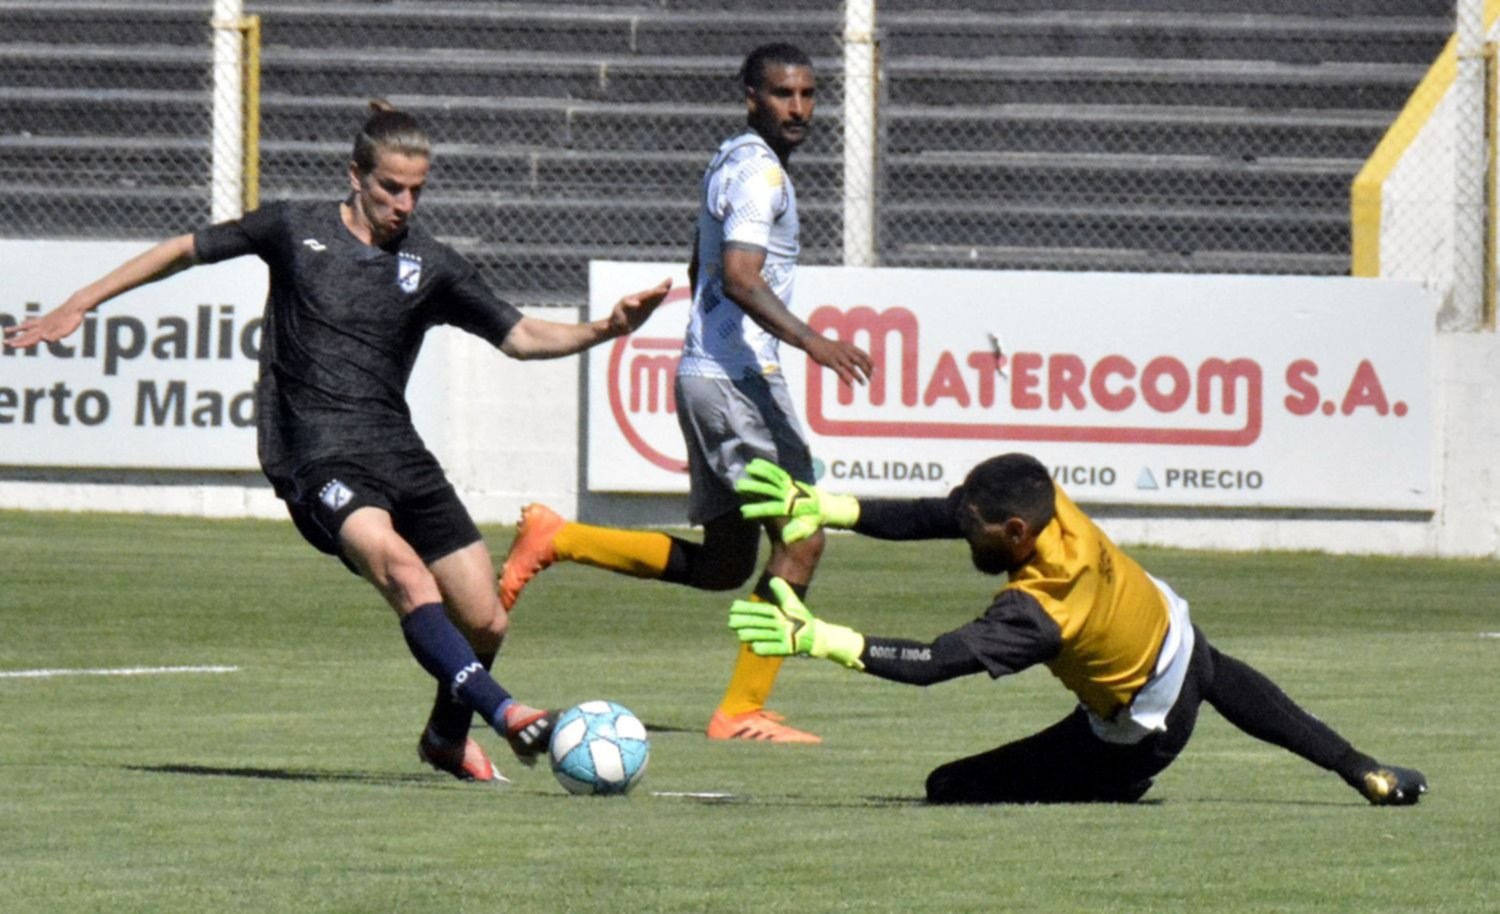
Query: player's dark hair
(1011, 485)
(763, 58)
(389, 130)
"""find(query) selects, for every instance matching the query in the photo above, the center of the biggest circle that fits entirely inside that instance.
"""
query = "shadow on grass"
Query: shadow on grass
(664, 728)
(293, 774)
(707, 799)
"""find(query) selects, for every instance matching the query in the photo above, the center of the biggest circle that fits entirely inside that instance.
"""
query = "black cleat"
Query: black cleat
(1392, 786)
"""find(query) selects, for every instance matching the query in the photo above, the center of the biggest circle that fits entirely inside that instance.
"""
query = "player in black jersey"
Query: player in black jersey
(354, 286)
(1119, 639)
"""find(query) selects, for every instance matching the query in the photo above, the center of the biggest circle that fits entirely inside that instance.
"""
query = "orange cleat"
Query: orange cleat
(465, 761)
(528, 730)
(761, 726)
(530, 552)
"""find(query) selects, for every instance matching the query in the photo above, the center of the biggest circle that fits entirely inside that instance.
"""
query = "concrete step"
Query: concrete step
(1321, 184)
(1142, 35)
(1331, 8)
(697, 129)
(1114, 260)
(44, 211)
(709, 79)
(1245, 133)
(622, 78)
(36, 111)
(665, 32)
(1111, 224)
(544, 172)
(156, 68)
(106, 23)
(319, 167)
(1221, 84)
(566, 28)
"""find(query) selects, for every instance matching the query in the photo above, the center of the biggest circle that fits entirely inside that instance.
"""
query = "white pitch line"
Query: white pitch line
(123, 671)
(1489, 634)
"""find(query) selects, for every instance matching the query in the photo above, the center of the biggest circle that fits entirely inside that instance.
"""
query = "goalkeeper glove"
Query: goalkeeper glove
(779, 495)
(787, 627)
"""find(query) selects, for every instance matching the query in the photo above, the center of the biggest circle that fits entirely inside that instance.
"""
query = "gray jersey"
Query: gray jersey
(748, 199)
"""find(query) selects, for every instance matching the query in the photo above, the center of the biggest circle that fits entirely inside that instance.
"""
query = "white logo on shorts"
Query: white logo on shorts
(335, 495)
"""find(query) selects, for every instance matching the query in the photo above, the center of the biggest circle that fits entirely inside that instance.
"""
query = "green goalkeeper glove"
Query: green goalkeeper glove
(787, 627)
(779, 495)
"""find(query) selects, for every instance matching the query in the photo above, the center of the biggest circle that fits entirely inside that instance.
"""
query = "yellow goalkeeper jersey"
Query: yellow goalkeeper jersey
(1112, 616)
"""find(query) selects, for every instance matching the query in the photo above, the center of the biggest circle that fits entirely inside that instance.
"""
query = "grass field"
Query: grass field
(292, 785)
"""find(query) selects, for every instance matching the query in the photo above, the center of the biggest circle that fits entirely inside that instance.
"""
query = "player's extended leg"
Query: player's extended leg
(723, 561)
(1069, 763)
(388, 561)
(742, 711)
(1065, 763)
(465, 577)
(1253, 703)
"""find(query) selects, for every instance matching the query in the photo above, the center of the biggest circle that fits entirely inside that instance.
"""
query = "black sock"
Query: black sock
(443, 652)
(1353, 766)
(1256, 705)
(763, 588)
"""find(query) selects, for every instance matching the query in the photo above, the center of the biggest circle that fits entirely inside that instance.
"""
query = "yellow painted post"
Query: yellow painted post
(1487, 316)
(250, 27)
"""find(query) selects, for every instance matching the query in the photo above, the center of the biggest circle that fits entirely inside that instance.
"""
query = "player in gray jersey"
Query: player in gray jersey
(732, 398)
(354, 287)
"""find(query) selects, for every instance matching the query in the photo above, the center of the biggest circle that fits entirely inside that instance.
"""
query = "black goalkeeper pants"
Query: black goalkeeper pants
(1067, 763)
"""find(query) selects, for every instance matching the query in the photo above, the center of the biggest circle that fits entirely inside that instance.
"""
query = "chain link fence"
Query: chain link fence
(1164, 135)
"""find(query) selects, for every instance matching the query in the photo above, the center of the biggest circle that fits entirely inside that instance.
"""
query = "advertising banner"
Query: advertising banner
(1151, 389)
(161, 377)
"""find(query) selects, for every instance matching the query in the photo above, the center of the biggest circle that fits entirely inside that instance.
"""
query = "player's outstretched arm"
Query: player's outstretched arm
(786, 627)
(159, 262)
(777, 494)
(746, 287)
(535, 338)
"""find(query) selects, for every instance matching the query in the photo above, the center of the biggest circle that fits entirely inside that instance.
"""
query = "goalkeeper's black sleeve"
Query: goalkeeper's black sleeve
(909, 518)
(917, 662)
(1013, 634)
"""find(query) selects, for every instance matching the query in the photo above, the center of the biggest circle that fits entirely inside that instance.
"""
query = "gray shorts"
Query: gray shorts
(726, 424)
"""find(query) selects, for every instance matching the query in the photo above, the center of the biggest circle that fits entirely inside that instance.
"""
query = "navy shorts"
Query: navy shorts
(410, 487)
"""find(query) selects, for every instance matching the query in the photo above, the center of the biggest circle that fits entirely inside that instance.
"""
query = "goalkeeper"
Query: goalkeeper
(1117, 638)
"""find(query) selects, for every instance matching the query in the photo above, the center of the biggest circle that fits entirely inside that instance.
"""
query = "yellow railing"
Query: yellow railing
(1366, 194)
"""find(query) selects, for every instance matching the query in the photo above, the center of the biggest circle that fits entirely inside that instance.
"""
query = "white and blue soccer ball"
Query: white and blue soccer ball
(599, 747)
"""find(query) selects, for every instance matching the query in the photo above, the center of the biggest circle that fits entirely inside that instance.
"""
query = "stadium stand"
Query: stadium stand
(1073, 134)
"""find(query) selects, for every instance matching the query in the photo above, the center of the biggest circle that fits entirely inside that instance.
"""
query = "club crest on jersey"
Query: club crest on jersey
(335, 495)
(408, 272)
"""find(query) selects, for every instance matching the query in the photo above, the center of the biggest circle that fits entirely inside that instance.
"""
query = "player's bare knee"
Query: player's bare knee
(403, 578)
(483, 621)
(800, 559)
(495, 625)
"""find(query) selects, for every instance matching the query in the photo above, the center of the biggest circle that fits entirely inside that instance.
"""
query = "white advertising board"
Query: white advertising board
(161, 377)
(1150, 389)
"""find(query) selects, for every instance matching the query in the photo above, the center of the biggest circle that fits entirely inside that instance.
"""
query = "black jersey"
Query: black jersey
(344, 322)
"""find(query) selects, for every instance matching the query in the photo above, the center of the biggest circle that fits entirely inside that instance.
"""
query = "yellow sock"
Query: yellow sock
(752, 680)
(639, 553)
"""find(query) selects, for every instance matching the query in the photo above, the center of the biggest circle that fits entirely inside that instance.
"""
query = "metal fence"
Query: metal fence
(1172, 135)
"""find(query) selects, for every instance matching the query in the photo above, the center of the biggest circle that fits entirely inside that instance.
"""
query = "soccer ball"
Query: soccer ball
(599, 747)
